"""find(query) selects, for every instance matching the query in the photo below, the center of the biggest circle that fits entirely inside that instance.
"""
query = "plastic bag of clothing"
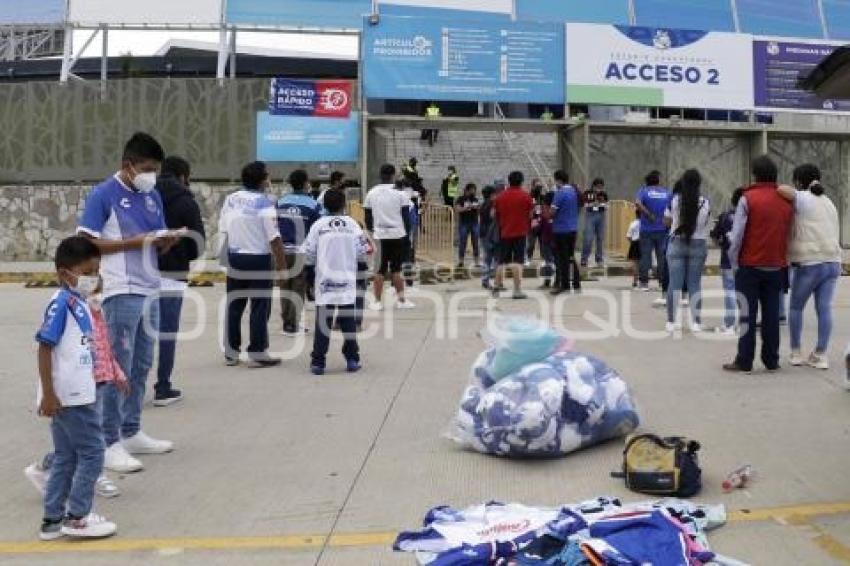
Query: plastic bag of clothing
(552, 401)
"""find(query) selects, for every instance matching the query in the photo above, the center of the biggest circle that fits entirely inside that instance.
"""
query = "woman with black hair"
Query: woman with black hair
(688, 218)
(814, 251)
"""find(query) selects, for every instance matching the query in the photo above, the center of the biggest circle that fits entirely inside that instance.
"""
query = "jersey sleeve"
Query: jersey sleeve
(95, 214)
(158, 198)
(55, 317)
(268, 215)
(310, 246)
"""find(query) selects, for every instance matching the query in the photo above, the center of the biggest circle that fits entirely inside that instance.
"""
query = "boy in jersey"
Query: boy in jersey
(335, 245)
(67, 395)
(124, 218)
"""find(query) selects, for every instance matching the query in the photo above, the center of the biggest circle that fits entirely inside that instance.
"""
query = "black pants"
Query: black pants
(347, 320)
(566, 265)
(759, 287)
(249, 278)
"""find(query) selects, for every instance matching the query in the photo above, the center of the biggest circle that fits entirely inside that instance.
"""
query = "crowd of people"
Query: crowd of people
(124, 274)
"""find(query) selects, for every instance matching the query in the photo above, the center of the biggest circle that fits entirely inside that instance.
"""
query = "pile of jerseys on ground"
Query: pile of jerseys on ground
(530, 395)
(600, 532)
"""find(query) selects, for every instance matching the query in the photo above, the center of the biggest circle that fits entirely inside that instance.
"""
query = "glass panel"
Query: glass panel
(792, 18)
(700, 14)
(837, 18)
(595, 11)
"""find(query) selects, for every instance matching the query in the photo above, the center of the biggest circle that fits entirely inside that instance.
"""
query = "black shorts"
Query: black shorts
(512, 250)
(391, 255)
(634, 251)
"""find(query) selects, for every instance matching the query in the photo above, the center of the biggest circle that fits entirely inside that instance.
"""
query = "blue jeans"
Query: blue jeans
(250, 279)
(347, 320)
(685, 259)
(132, 322)
(763, 288)
(170, 305)
(467, 231)
(490, 262)
(818, 280)
(77, 462)
(594, 231)
(650, 241)
(730, 298)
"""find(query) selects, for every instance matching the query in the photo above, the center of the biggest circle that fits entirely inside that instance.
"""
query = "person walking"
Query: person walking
(466, 208)
(388, 220)
(595, 202)
(512, 212)
(123, 217)
(633, 255)
(296, 213)
(652, 200)
(535, 235)
(721, 234)
(181, 211)
(688, 217)
(758, 250)
(489, 231)
(815, 254)
(564, 214)
(255, 255)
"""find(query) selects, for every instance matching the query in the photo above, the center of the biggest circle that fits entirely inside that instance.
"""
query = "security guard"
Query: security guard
(451, 186)
(431, 134)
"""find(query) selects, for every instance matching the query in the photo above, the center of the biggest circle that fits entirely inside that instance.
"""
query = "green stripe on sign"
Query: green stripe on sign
(628, 95)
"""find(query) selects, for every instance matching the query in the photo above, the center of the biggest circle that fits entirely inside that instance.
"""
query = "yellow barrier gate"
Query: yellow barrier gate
(437, 233)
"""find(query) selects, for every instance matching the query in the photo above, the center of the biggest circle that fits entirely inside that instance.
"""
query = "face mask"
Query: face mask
(86, 285)
(144, 182)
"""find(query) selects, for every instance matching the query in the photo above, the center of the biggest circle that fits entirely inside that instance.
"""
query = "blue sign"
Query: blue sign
(484, 61)
(307, 138)
(298, 13)
(310, 98)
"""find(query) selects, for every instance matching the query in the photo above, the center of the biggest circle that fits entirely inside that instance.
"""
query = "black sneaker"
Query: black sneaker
(735, 368)
(263, 360)
(167, 398)
(50, 530)
(230, 361)
(773, 369)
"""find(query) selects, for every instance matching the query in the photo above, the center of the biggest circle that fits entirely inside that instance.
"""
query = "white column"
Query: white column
(67, 51)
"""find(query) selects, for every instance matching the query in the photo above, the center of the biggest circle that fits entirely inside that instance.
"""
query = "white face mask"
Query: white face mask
(145, 182)
(86, 285)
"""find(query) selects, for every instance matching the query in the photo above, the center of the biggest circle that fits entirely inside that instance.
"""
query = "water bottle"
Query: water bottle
(738, 478)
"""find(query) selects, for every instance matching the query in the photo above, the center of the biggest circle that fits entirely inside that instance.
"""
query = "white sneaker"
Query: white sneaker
(659, 302)
(91, 526)
(818, 361)
(684, 302)
(377, 307)
(37, 476)
(141, 443)
(105, 487)
(300, 330)
(796, 359)
(725, 330)
(117, 459)
(696, 328)
(672, 326)
(404, 305)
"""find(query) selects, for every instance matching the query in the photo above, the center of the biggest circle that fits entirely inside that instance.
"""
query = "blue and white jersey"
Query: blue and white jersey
(115, 211)
(248, 218)
(67, 329)
(335, 245)
(296, 213)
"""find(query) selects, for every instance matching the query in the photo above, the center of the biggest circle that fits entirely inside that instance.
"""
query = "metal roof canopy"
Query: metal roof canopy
(831, 78)
(519, 125)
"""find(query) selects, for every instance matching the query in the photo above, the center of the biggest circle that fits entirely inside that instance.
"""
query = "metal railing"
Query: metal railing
(437, 233)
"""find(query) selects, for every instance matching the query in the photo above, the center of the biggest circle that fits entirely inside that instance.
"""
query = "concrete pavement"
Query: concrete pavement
(269, 462)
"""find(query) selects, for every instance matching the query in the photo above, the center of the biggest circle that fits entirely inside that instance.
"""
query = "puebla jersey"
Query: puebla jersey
(296, 213)
(67, 329)
(114, 211)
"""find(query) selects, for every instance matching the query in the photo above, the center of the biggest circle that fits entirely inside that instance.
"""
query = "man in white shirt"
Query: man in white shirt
(255, 253)
(388, 219)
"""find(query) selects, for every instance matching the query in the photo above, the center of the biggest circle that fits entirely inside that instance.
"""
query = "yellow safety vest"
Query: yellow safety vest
(453, 186)
(433, 112)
